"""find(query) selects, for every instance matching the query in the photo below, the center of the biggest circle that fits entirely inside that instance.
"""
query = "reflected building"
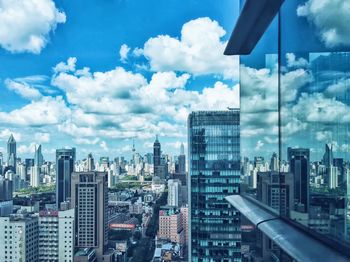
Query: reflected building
(214, 173)
(299, 163)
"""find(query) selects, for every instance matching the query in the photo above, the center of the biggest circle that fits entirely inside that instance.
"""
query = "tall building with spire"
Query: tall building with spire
(90, 163)
(156, 152)
(160, 169)
(11, 152)
(182, 160)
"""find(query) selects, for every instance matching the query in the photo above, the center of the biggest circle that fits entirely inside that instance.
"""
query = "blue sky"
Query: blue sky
(171, 64)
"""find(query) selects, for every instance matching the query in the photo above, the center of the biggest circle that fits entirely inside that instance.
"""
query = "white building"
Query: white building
(173, 192)
(35, 176)
(17, 233)
(56, 236)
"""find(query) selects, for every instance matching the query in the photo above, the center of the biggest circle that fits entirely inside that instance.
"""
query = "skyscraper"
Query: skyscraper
(159, 167)
(90, 201)
(156, 152)
(65, 159)
(274, 162)
(299, 164)
(182, 160)
(214, 173)
(11, 153)
(90, 163)
(38, 157)
(328, 155)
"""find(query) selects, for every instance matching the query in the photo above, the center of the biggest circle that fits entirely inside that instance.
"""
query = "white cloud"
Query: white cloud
(259, 145)
(25, 25)
(6, 133)
(46, 111)
(86, 141)
(339, 88)
(27, 149)
(104, 145)
(317, 108)
(324, 136)
(124, 52)
(112, 89)
(345, 148)
(126, 148)
(22, 89)
(331, 18)
(42, 137)
(199, 51)
(292, 61)
(68, 66)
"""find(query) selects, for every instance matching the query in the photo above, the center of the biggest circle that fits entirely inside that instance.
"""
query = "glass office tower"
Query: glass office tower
(214, 164)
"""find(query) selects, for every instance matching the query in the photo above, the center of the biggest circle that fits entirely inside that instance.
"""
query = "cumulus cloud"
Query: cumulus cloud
(199, 51)
(22, 89)
(112, 89)
(331, 18)
(292, 61)
(104, 145)
(316, 108)
(6, 133)
(259, 145)
(25, 25)
(27, 149)
(46, 111)
(86, 141)
(324, 136)
(42, 137)
(124, 52)
(339, 88)
(68, 66)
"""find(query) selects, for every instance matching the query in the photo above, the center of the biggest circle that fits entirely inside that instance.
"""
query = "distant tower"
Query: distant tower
(328, 155)
(133, 146)
(156, 152)
(274, 162)
(90, 163)
(38, 157)
(182, 160)
(11, 152)
(160, 169)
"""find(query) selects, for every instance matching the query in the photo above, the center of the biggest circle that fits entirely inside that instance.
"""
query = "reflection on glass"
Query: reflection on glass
(295, 105)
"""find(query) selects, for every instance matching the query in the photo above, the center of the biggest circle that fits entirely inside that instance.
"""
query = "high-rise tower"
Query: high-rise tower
(89, 198)
(214, 173)
(65, 159)
(11, 153)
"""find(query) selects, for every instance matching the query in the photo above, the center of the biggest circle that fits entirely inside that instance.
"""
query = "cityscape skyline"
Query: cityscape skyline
(142, 131)
(141, 90)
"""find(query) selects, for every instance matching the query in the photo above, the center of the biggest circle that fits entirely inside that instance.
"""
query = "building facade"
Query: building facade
(65, 159)
(19, 238)
(89, 198)
(56, 236)
(214, 173)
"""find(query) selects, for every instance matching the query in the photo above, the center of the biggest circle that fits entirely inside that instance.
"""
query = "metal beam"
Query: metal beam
(253, 21)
